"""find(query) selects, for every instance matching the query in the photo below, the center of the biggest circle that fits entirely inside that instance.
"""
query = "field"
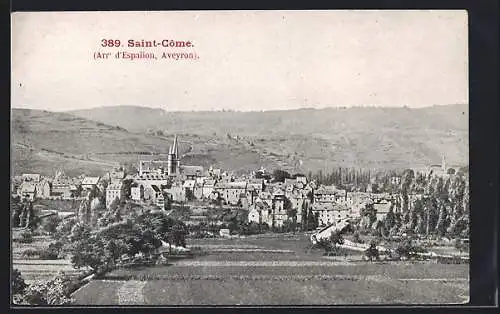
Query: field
(279, 270)
(38, 269)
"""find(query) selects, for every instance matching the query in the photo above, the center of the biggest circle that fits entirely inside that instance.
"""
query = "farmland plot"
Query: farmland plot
(277, 272)
(39, 269)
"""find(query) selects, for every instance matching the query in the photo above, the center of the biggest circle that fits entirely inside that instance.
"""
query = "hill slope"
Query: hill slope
(44, 141)
(368, 136)
(296, 140)
(302, 121)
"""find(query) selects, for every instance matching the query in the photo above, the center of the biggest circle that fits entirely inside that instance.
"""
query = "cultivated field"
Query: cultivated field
(39, 269)
(277, 271)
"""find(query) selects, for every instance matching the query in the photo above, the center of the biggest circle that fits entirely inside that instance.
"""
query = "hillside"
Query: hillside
(43, 141)
(368, 137)
(302, 121)
(296, 140)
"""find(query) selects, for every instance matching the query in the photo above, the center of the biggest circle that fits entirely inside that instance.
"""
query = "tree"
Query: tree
(331, 244)
(357, 238)
(63, 229)
(18, 284)
(16, 210)
(372, 252)
(461, 246)
(114, 204)
(408, 250)
(189, 195)
(167, 203)
(50, 223)
(389, 220)
(280, 175)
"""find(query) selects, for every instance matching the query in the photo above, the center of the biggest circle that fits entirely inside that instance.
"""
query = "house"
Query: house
(325, 194)
(266, 197)
(251, 195)
(153, 167)
(382, 207)
(189, 184)
(114, 191)
(328, 213)
(160, 201)
(264, 211)
(230, 191)
(198, 188)
(395, 180)
(64, 188)
(33, 177)
(290, 182)
(302, 180)
(279, 211)
(158, 179)
(43, 189)
(152, 193)
(90, 183)
(254, 215)
(137, 192)
(177, 193)
(224, 233)
(27, 190)
(116, 176)
(208, 187)
(214, 172)
(297, 199)
(191, 172)
(256, 184)
(243, 201)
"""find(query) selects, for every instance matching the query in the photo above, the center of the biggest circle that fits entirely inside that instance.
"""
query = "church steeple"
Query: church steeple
(175, 149)
(173, 158)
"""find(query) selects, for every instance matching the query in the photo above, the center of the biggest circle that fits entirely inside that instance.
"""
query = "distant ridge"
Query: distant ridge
(305, 121)
(299, 140)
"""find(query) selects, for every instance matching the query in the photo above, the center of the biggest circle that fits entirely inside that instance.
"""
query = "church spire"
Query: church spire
(175, 149)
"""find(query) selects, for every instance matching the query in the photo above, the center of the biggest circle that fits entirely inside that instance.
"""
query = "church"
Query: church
(160, 169)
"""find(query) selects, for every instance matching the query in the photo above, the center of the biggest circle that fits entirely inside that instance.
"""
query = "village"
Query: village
(93, 228)
(268, 200)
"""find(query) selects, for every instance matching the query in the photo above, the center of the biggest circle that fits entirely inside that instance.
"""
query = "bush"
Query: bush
(408, 250)
(51, 223)
(52, 292)
(337, 251)
(372, 252)
(357, 238)
(26, 237)
(30, 253)
(56, 247)
(48, 255)
(17, 281)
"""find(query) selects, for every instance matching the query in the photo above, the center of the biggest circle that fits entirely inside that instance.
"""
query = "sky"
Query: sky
(248, 60)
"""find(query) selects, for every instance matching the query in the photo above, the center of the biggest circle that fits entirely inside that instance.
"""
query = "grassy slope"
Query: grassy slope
(44, 141)
(361, 137)
(364, 137)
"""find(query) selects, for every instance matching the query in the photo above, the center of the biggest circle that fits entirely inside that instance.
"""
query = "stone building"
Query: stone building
(114, 191)
(230, 192)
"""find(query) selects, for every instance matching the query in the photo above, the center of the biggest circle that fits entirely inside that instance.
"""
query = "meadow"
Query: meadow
(299, 277)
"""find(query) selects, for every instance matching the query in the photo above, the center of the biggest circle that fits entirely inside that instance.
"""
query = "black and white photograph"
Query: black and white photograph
(239, 158)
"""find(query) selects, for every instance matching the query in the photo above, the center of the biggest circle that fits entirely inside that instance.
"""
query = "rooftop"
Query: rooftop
(91, 180)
